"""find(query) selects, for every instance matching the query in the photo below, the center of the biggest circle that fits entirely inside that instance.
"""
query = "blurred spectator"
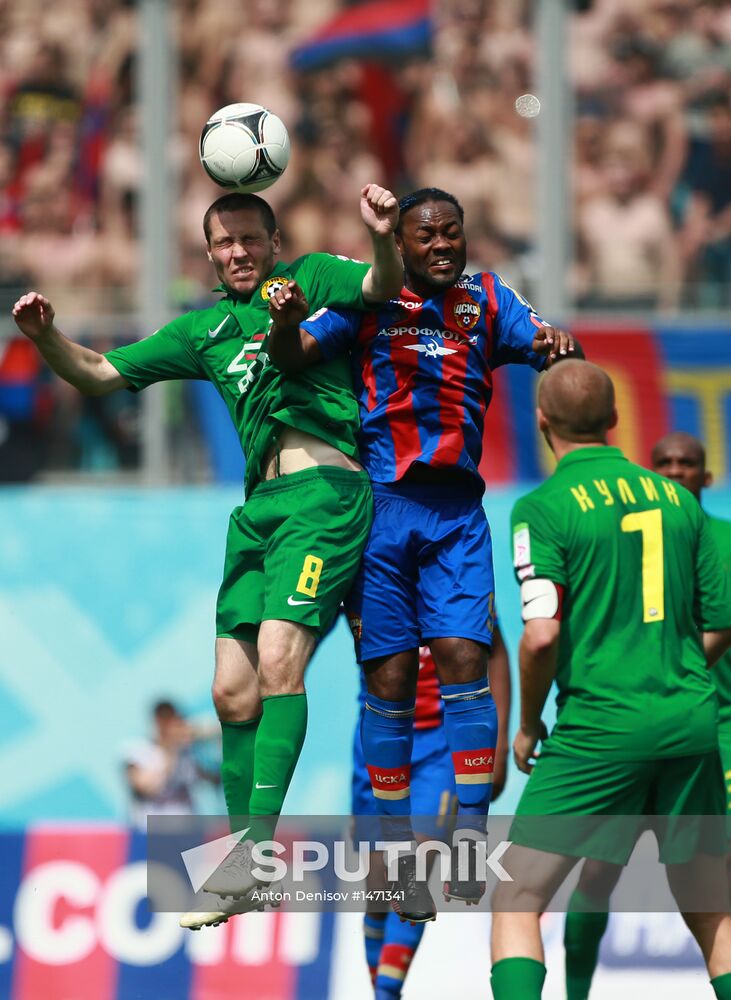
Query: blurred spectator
(59, 254)
(162, 773)
(25, 385)
(25, 406)
(645, 95)
(465, 163)
(626, 242)
(121, 169)
(696, 43)
(9, 195)
(707, 228)
(43, 103)
(587, 178)
(657, 63)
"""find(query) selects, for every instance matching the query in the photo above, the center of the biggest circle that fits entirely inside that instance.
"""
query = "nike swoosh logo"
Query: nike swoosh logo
(291, 600)
(214, 333)
(265, 786)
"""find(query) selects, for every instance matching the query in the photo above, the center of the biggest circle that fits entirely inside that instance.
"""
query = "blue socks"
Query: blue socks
(374, 929)
(387, 736)
(399, 946)
(470, 726)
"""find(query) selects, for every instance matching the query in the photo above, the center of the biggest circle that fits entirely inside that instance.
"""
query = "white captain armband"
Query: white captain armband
(540, 599)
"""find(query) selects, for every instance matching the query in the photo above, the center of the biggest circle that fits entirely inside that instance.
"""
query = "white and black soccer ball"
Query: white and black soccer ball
(244, 147)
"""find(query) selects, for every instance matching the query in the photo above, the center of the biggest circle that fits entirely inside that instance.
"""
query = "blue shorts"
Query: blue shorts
(426, 572)
(433, 792)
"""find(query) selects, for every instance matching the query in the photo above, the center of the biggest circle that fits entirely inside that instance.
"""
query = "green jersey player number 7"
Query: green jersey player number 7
(293, 548)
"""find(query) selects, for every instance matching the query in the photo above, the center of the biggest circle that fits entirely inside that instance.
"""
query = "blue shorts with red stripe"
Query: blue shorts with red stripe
(433, 793)
(426, 571)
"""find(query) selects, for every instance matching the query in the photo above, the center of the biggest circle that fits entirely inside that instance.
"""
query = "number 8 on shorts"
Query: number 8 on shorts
(310, 576)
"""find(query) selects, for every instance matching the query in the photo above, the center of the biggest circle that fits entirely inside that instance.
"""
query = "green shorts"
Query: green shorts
(293, 550)
(594, 807)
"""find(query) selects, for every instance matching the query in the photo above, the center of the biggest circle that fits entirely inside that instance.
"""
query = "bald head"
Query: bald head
(682, 458)
(576, 402)
(679, 443)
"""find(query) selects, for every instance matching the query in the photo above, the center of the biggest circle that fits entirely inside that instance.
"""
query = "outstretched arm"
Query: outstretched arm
(87, 370)
(290, 347)
(379, 210)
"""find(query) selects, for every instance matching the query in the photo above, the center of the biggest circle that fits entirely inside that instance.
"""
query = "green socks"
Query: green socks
(522, 978)
(722, 986)
(517, 979)
(237, 767)
(582, 937)
(279, 740)
(259, 758)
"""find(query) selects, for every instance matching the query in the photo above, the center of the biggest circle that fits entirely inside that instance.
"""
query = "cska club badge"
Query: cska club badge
(466, 312)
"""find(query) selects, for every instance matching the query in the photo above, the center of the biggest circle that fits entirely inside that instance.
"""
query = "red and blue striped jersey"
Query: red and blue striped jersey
(423, 370)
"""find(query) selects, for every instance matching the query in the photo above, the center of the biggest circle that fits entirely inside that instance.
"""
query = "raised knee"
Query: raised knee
(280, 676)
(393, 678)
(393, 689)
(281, 667)
(511, 899)
(460, 661)
(235, 703)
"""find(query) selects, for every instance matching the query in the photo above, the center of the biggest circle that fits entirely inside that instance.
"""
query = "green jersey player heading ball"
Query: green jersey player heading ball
(295, 545)
(618, 572)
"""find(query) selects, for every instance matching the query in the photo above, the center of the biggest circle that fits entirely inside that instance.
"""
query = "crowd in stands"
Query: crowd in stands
(651, 164)
(653, 153)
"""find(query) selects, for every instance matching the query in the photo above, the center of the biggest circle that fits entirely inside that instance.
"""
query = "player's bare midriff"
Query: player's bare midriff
(294, 450)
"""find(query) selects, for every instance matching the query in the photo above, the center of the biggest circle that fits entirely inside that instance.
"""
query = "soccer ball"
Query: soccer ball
(244, 147)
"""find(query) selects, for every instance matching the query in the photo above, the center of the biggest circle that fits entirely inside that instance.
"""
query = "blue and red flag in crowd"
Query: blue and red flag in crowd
(383, 29)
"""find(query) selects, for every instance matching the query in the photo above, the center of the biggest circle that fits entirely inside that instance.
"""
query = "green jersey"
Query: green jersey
(227, 344)
(634, 556)
(721, 671)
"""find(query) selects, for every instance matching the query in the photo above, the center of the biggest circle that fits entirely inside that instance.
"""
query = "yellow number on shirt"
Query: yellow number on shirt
(310, 576)
(649, 522)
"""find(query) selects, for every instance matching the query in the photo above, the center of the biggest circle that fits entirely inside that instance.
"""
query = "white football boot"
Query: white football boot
(233, 877)
(223, 909)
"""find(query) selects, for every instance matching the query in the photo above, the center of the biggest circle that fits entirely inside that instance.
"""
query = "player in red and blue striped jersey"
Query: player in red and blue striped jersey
(423, 373)
(423, 367)
(390, 945)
